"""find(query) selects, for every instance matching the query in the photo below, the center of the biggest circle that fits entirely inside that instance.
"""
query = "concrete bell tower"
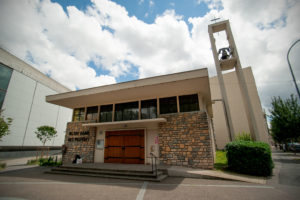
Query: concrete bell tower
(225, 59)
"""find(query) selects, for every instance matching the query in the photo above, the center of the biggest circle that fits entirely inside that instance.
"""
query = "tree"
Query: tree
(285, 119)
(4, 125)
(45, 133)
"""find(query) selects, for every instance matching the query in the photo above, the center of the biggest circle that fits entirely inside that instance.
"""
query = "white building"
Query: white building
(22, 97)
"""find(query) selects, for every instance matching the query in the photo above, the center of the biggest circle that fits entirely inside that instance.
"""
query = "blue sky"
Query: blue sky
(147, 11)
(84, 44)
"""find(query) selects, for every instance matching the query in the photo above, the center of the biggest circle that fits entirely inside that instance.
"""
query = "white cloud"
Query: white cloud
(59, 45)
(151, 3)
(63, 44)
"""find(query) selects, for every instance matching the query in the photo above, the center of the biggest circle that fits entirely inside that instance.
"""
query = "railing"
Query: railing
(153, 165)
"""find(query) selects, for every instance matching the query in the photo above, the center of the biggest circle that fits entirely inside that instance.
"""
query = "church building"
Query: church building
(179, 118)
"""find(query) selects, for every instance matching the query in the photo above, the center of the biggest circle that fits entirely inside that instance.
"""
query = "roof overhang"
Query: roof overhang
(190, 82)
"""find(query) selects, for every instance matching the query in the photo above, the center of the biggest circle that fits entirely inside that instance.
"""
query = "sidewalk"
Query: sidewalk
(213, 174)
(173, 171)
(18, 163)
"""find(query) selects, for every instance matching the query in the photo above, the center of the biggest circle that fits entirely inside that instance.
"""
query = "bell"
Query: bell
(225, 53)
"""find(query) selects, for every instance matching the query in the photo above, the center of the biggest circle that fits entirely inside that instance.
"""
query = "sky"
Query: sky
(83, 44)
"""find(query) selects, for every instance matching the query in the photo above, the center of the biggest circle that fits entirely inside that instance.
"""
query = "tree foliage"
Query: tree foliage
(285, 119)
(45, 133)
(4, 125)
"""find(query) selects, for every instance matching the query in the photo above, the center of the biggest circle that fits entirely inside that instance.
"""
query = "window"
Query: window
(127, 111)
(5, 75)
(168, 105)
(91, 113)
(189, 103)
(78, 114)
(106, 113)
(149, 109)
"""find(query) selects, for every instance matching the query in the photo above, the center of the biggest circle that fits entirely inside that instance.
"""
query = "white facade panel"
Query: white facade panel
(25, 104)
(64, 116)
(42, 113)
(16, 105)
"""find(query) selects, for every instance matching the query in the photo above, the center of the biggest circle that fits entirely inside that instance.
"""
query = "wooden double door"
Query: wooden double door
(125, 146)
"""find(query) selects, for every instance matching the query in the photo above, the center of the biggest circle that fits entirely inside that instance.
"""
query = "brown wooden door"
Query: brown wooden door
(124, 147)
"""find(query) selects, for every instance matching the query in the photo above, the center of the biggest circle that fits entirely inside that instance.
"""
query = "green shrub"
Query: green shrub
(2, 166)
(244, 136)
(49, 162)
(249, 157)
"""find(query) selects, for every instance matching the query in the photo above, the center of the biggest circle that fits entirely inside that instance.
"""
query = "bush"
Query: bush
(2, 166)
(249, 157)
(49, 162)
(244, 136)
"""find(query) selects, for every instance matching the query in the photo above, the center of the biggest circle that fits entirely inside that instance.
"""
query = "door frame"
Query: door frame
(128, 129)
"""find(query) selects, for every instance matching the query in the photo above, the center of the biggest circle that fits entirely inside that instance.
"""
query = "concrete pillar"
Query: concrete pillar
(232, 63)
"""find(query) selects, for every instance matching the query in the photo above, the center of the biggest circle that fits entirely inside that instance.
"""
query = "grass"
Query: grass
(2, 166)
(221, 160)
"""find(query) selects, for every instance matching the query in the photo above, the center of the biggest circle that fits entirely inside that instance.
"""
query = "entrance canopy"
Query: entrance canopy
(190, 82)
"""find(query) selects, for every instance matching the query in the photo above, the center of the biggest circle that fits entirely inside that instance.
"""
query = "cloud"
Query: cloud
(59, 45)
(63, 44)
(151, 3)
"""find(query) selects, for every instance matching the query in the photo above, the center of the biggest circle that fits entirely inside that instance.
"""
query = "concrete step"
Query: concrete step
(159, 178)
(104, 169)
(107, 172)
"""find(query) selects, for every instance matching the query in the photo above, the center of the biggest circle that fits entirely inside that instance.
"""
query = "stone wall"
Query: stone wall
(79, 140)
(184, 140)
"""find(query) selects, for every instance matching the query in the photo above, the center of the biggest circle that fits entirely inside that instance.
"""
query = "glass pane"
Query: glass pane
(106, 113)
(127, 111)
(149, 109)
(78, 114)
(2, 96)
(189, 103)
(5, 74)
(168, 105)
(92, 113)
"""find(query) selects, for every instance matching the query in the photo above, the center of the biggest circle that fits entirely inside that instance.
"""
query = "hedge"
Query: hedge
(249, 157)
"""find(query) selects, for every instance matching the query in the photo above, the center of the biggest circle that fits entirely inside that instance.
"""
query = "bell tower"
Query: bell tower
(227, 58)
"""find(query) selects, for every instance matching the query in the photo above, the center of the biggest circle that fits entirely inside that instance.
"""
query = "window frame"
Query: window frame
(81, 116)
(125, 110)
(103, 107)
(183, 102)
(148, 109)
(161, 108)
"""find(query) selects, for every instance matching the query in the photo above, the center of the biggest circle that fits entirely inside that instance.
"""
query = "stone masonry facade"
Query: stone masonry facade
(185, 140)
(79, 140)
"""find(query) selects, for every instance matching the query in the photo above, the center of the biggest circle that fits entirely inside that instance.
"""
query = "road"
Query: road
(32, 183)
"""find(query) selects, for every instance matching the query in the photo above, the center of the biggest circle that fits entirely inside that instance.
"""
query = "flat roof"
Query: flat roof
(189, 82)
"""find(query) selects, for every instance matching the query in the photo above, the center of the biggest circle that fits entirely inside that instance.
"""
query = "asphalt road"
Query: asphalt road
(32, 183)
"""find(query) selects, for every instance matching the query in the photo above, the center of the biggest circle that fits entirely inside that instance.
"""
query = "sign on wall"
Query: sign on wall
(82, 136)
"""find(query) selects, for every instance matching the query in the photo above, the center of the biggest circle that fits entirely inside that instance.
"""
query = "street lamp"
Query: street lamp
(291, 68)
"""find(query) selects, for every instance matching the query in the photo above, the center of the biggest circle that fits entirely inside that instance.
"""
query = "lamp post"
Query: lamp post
(294, 79)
